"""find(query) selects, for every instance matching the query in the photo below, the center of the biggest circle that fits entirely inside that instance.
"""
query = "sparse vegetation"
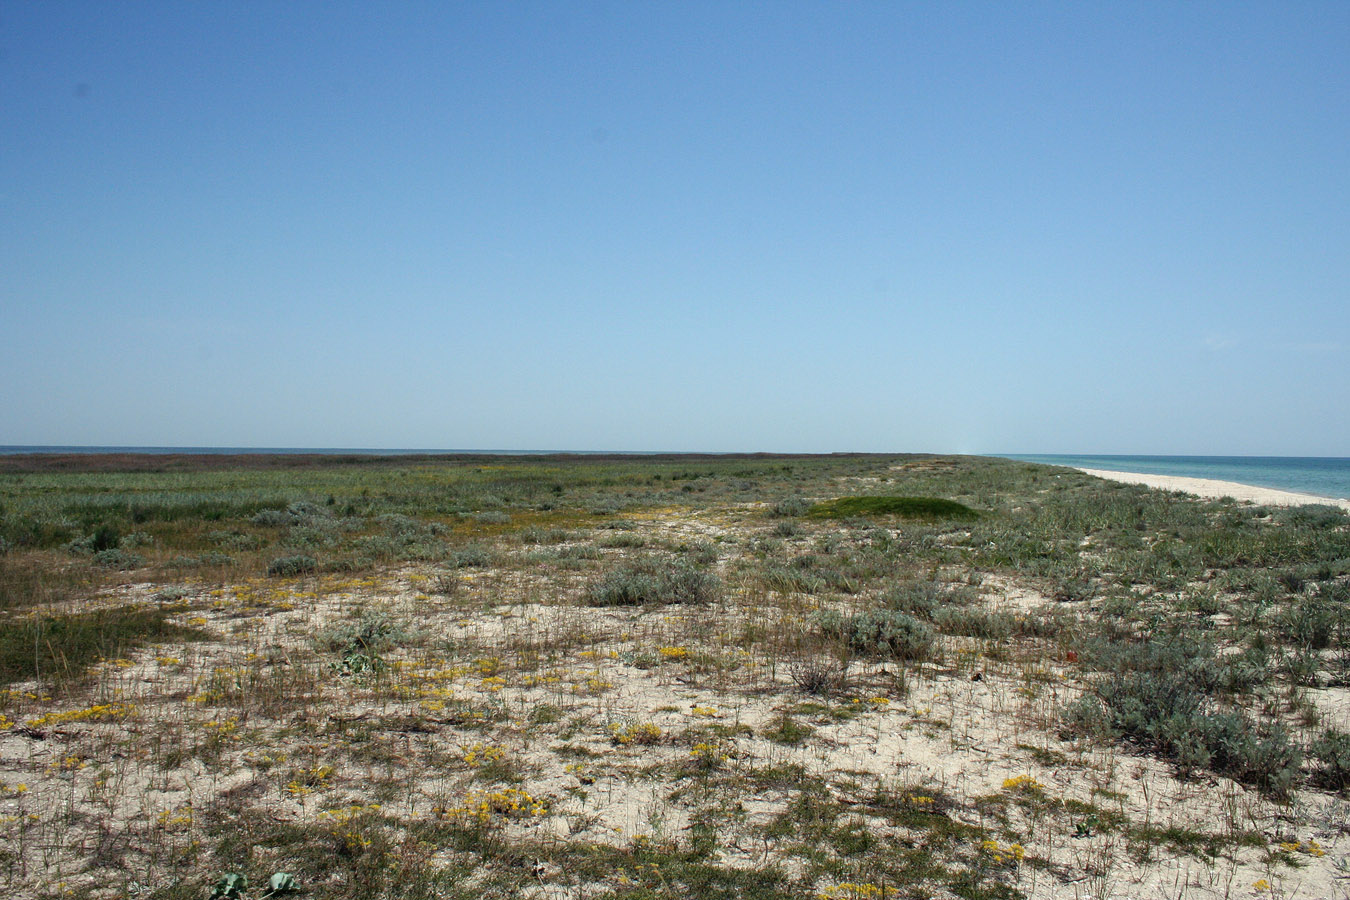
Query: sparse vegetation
(659, 677)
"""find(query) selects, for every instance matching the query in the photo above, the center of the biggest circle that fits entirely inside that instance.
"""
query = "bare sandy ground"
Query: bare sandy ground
(1213, 488)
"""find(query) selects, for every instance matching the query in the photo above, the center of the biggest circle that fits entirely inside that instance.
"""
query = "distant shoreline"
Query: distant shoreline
(1316, 476)
(1215, 489)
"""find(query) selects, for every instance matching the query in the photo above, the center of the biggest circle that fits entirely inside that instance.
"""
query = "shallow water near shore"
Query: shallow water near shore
(1316, 475)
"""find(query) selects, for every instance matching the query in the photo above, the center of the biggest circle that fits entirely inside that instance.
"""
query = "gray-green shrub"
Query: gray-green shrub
(881, 633)
(654, 581)
(117, 558)
(1331, 751)
(292, 565)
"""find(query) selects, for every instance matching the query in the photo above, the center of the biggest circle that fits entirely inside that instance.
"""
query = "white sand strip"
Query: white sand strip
(1212, 488)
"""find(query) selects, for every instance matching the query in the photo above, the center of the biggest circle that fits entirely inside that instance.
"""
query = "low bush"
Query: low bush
(917, 598)
(117, 558)
(808, 574)
(1331, 751)
(791, 580)
(534, 535)
(881, 633)
(1168, 714)
(211, 559)
(360, 645)
(991, 625)
(819, 673)
(469, 556)
(790, 507)
(235, 540)
(1314, 516)
(1316, 622)
(298, 513)
(654, 581)
(284, 566)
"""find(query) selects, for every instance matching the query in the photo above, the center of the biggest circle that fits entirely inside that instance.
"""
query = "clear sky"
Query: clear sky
(984, 227)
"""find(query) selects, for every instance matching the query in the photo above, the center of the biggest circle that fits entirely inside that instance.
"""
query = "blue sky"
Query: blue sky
(979, 227)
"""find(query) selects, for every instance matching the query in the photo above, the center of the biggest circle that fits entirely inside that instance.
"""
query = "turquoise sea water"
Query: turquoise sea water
(1321, 476)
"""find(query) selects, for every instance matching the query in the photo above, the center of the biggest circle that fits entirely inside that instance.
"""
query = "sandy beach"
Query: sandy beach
(1213, 488)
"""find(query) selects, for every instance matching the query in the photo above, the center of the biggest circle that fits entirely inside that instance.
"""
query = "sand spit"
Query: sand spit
(1215, 489)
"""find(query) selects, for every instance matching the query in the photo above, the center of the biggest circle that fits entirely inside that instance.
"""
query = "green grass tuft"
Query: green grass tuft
(61, 648)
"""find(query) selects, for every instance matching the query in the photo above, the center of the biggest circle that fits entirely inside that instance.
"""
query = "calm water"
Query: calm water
(1319, 475)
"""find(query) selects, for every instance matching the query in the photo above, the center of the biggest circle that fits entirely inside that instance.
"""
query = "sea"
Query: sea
(1320, 476)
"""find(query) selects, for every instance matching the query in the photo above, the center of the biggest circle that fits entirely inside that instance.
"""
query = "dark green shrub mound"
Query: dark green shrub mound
(905, 507)
(654, 581)
(881, 632)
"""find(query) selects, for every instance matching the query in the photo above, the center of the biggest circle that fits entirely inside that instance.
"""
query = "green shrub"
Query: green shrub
(105, 538)
(235, 540)
(298, 513)
(654, 581)
(360, 645)
(918, 598)
(880, 633)
(1314, 516)
(285, 566)
(977, 623)
(469, 556)
(117, 558)
(808, 574)
(212, 558)
(623, 540)
(789, 580)
(1316, 622)
(1164, 713)
(1332, 753)
(700, 553)
(790, 507)
(535, 535)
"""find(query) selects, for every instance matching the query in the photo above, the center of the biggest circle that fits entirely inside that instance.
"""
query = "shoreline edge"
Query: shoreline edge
(1214, 489)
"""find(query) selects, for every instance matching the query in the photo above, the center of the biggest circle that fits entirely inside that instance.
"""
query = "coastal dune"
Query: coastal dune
(1214, 489)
